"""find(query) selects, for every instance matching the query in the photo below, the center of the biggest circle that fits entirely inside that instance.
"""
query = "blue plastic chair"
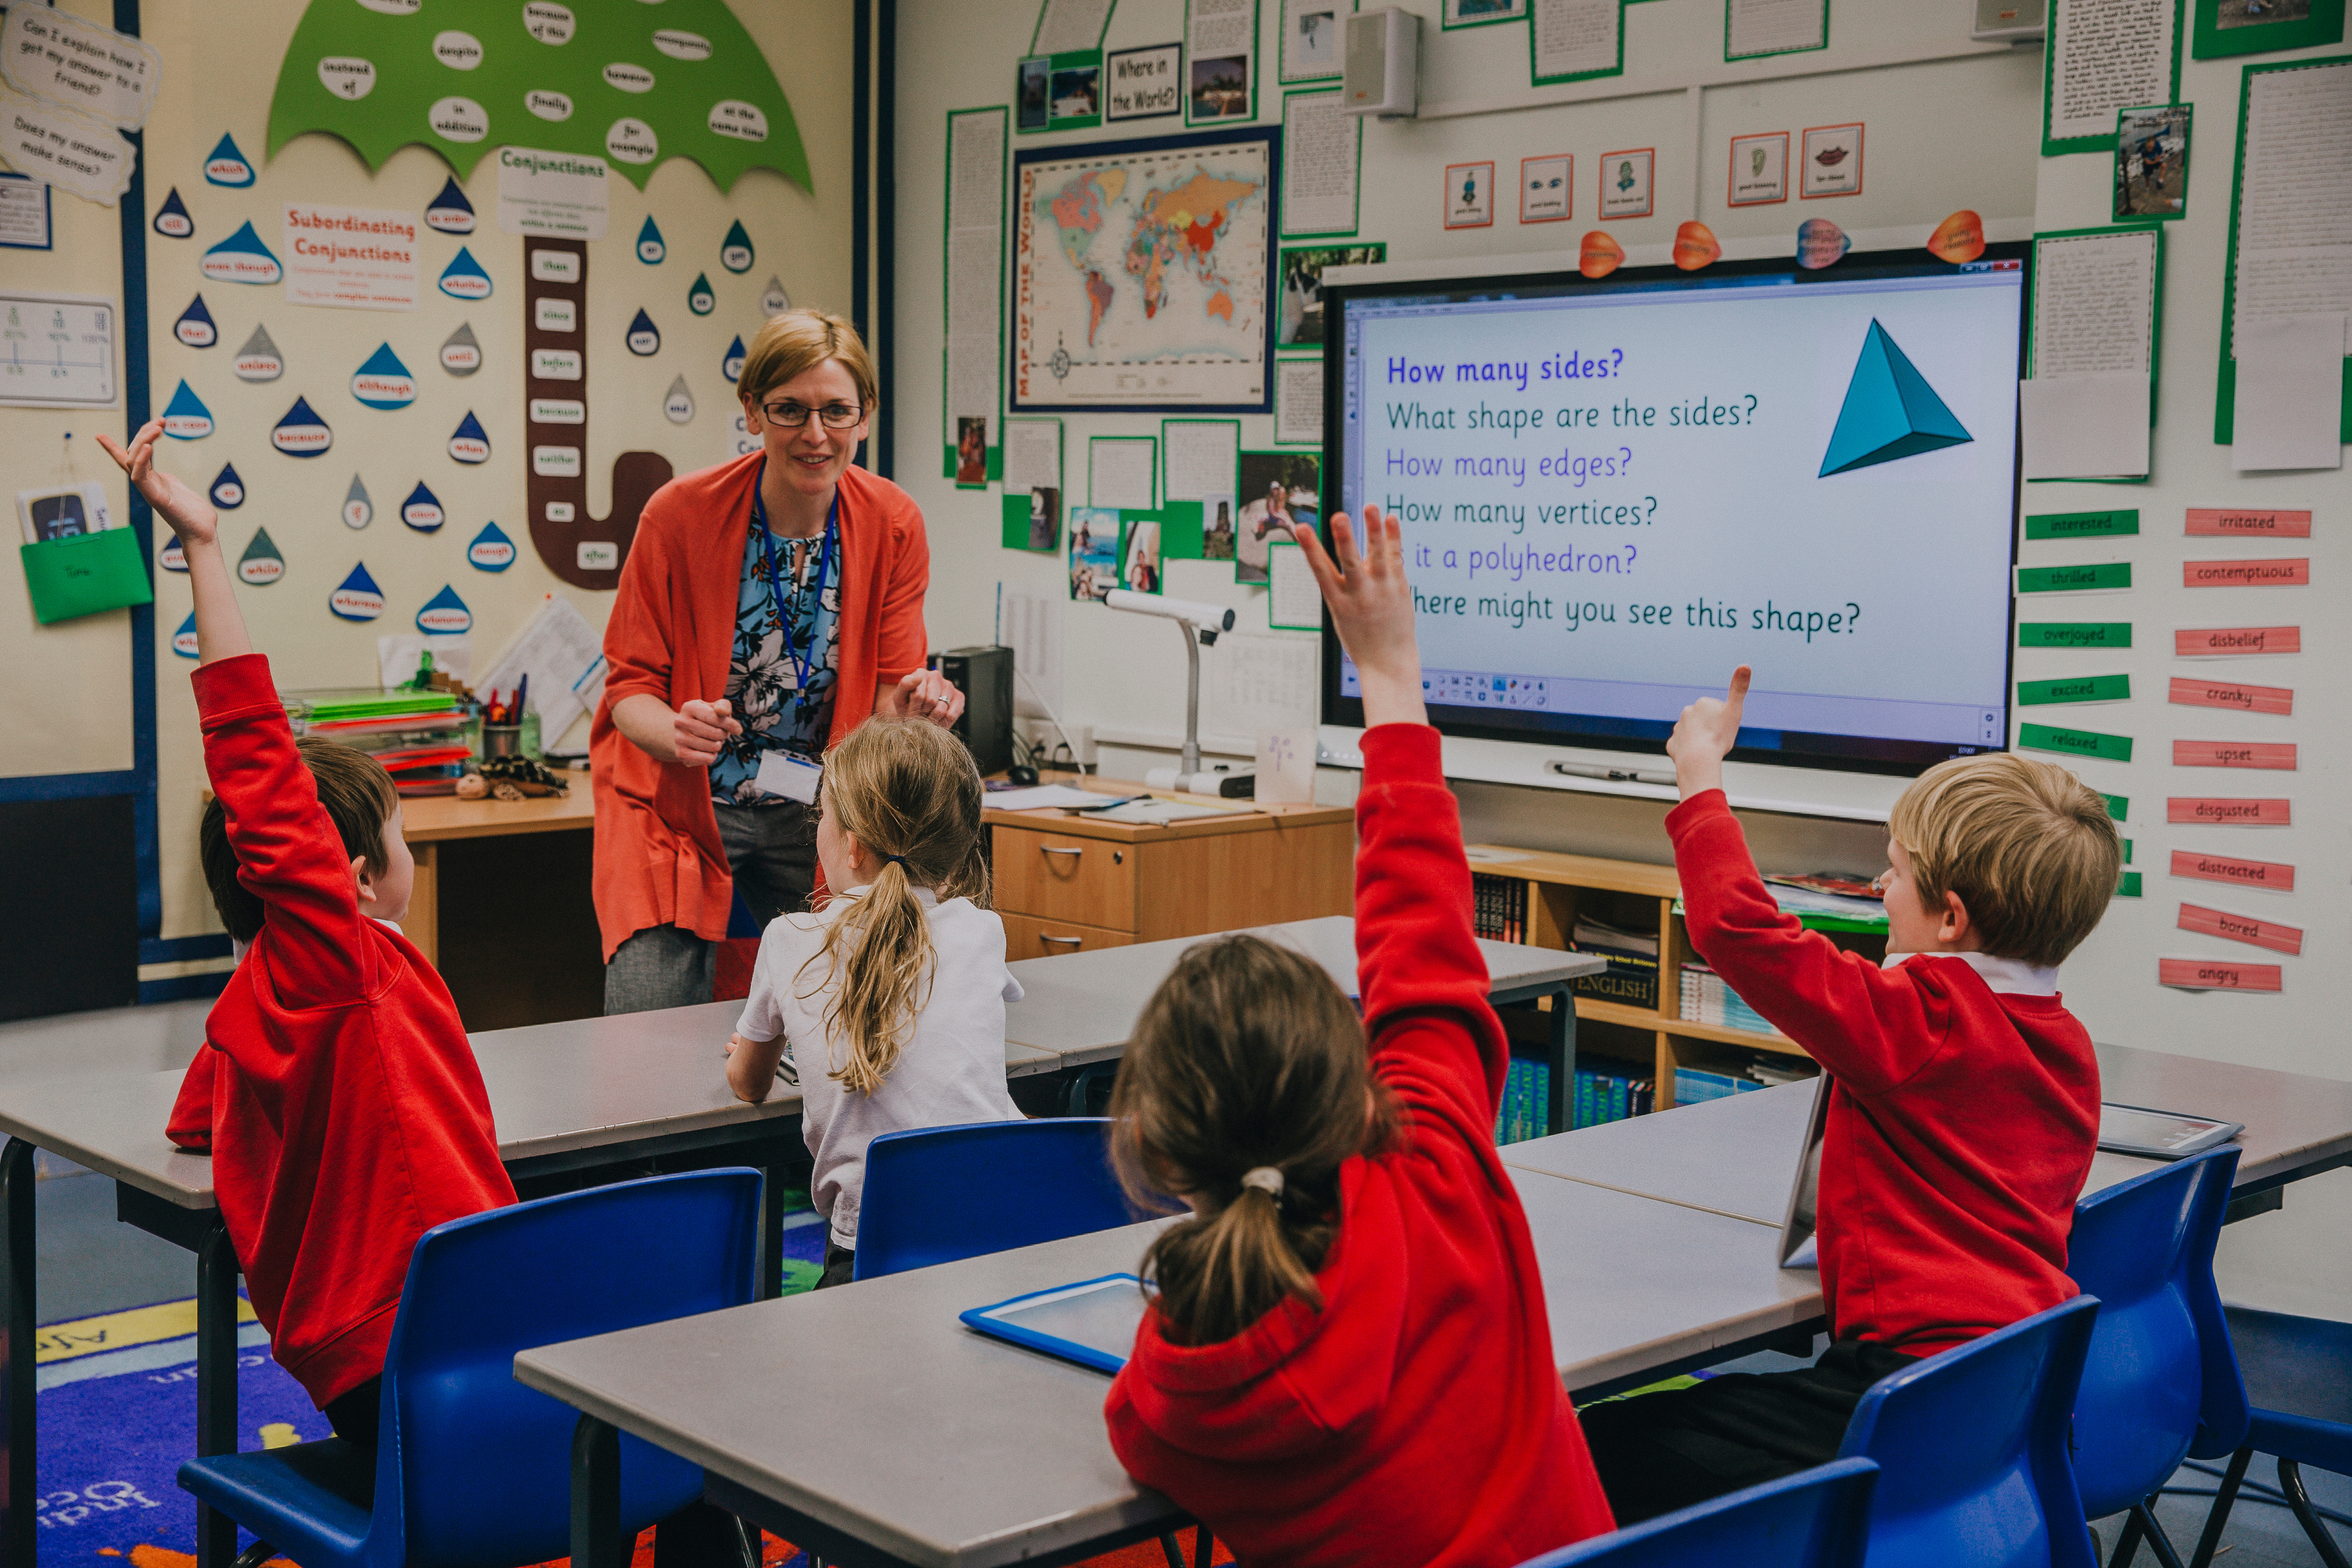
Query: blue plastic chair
(2160, 1383)
(935, 1194)
(1815, 1518)
(1971, 1451)
(471, 1468)
(2298, 1373)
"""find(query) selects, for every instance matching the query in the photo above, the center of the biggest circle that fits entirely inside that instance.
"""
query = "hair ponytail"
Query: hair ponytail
(1244, 1088)
(905, 791)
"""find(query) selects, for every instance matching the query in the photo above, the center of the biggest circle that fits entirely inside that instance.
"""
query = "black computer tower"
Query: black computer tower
(984, 676)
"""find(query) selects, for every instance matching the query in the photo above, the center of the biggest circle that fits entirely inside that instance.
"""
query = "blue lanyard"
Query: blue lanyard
(803, 660)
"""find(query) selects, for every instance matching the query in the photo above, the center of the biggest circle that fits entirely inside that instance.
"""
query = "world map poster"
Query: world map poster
(1140, 275)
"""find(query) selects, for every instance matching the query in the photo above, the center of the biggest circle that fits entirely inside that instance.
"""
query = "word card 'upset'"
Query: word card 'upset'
(2229, 813)
(2285, 573)
(2267, 874)
(2193, 693)
(2235, 642)
(2206, 522)
(2241, 928)
(2278, 754)
(2219, 974)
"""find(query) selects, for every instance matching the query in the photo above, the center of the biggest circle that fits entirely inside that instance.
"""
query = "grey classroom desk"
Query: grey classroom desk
(594, 1094)
(869, 1425)
(1738, 1156)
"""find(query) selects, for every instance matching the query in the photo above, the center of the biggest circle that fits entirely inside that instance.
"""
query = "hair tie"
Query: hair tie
(897, 860)
(1266, 1179)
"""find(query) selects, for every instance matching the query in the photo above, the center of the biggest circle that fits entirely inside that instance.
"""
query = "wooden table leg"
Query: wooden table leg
(422, 924)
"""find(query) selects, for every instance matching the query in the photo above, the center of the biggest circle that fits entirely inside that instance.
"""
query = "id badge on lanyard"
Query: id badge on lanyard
(784, 773)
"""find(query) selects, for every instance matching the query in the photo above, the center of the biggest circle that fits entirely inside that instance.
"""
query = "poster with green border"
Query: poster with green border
(1277, 564)
(1229, 487)
(1459, 13)
(1294, 14)
(1029, 526)
(1095, 444)
(2102, 141)
(1025, 481)
(1731, 59)
(1535, 71)
(1074, 80)
(2321, 25)
(1180, 529)
(2187, 114)
(2225, 392)
(1290, 163)
(951, 437)
(1032, 95)
(1220, 84)
(2155, 233)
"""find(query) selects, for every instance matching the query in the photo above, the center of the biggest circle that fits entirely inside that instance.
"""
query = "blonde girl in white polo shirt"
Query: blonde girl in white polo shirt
(890, 996)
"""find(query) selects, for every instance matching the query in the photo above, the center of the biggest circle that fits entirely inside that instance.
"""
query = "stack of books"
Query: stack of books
(1610, 1097)
(420, 737)
(1499, 907)
(1526, 1110)
(1692, 1085)
(1707, 1000)
(1632, 977)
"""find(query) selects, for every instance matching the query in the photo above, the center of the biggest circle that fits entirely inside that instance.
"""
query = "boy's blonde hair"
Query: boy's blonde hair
(907, 791)
(792, 341)
(2028, 846)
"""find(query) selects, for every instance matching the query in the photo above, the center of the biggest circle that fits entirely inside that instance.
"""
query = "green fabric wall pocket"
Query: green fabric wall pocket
(85, 575)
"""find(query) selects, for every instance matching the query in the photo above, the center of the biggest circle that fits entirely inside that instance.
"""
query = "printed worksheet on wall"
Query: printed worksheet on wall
(2106, 55)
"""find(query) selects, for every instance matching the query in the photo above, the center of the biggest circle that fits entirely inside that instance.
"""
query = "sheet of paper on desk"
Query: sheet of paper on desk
(2289, 394)
(566, 660)
(1037, 795)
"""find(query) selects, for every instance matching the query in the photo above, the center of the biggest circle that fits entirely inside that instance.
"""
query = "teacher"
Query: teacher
(767, 607)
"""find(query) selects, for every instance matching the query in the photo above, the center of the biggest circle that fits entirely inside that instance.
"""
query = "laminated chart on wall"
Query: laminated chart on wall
(2291, 217)
(460, 77)
(2093, 348)
(1569, 40)
(2104, 57)
(1322, 147)
(974, 297)
(57, 350)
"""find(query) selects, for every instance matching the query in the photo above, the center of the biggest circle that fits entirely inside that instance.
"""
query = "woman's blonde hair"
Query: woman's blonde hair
(905, 790)
(792, 341)
(1247, 1056)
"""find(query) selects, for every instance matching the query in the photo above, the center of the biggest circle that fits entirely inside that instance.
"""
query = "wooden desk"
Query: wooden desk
(502, 905)
(1069, 884)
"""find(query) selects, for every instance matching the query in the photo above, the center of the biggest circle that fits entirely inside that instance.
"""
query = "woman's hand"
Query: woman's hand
(191, 516)
(920, 694)
(1371, 605)
(691, 737)
(1705, 732)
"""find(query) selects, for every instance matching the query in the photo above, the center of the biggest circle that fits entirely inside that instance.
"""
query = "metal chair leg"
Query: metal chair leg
(2291, 1482)
(1205, 1547)
(2127, 1542)
(255, 1555)
(1172, 1551)
(2209, 1541)
(2144, 1516)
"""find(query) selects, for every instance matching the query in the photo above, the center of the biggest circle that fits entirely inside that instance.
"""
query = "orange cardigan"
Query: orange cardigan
(659, 858)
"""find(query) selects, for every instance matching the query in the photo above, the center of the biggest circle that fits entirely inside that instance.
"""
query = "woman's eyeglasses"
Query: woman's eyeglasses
(792, 416)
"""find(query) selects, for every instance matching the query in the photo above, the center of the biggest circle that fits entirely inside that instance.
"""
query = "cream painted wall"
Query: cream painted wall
(218, 78)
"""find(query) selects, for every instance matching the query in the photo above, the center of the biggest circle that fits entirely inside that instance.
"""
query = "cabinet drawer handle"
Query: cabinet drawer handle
(1051, 850)
(1073, 940)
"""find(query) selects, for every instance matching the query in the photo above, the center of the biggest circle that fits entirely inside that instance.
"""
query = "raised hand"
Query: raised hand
(1704, 733)
(191, 516)
(701, 728)
(1371, 606)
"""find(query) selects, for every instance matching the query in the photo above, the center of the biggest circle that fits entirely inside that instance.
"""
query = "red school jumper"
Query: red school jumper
(1417, 1416)
(336, 1092)
(1962, 1119)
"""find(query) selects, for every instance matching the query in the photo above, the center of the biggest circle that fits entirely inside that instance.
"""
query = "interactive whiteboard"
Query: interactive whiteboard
(1614, 493)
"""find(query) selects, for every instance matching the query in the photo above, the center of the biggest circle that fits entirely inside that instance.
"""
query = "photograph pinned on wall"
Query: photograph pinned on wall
(1832, 161)
(1469, 195)
(1043, 528)
(1279, 489)
(1075, 91)
(2152, 161)
(1033, 106)
(1221, 89)
(1547, 188)
(1139, 556)
(1760, 170)
(1144, 84)
(1217, 528)
(1310, 38)
(972, 452)
(1299, 323)
(1093, 551)
(1478, 13)
(1626, 182)
(2221, 27)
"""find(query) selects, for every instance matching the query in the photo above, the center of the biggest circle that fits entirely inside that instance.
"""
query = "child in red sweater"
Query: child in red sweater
(1964, 1098)
(1348, 1361)
(336, 1092)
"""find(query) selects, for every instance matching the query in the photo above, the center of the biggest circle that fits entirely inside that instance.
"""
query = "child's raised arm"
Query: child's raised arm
(220, 625)
(1371, 605)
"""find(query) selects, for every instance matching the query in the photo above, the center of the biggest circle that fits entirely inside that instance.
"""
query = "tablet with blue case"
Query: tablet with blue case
(1092, 1322)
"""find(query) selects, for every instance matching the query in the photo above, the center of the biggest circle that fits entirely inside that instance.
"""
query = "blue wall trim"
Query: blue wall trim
(67, 787)
(183, 949)
(138, 397)
(181, 988)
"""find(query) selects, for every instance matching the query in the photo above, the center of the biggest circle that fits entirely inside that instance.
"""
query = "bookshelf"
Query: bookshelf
(1538, 897)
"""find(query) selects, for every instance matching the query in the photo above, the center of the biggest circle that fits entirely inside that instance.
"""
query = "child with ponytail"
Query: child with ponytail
(1349, 1360)
(891, 995)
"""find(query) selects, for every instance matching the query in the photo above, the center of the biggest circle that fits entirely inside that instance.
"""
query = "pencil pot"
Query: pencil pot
(501, 740)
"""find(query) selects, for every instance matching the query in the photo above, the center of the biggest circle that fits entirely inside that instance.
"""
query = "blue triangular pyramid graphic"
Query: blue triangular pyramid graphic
(1890, 412)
